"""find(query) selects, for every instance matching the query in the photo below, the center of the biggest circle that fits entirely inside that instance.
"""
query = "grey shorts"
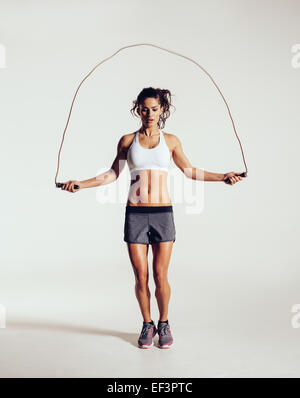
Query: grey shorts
(149, 224)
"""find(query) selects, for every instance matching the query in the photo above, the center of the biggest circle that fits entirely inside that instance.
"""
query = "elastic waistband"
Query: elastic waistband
(148, 209)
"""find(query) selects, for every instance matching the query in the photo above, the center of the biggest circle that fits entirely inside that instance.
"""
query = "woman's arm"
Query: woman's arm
(113, 173)
(102, 179)
(107, 177)
(185, 166)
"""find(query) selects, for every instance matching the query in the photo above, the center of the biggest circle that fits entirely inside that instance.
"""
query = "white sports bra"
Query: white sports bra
(140, 158)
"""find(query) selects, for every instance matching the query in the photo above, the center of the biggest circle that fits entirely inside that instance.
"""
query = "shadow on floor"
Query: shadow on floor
(131, 338)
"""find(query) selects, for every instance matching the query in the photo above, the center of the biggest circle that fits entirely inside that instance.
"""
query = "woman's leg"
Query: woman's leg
(138, 254)
(161, 259)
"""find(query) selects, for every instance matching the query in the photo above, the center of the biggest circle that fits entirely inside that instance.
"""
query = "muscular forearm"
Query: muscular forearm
(102, 179)
(203, 175)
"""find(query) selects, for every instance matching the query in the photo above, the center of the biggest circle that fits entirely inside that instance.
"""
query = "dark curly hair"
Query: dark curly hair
(164, 97)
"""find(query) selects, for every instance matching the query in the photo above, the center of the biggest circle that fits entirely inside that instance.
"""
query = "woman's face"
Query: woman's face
(150, 112)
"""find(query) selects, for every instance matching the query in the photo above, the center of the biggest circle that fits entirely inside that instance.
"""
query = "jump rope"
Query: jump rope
(244, 174)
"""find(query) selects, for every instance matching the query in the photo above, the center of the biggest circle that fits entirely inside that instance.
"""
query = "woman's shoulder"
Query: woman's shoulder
(126, 140)
(128, 136)
(171, 139)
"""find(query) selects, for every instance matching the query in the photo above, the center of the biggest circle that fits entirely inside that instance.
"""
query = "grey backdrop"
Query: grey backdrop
(66, 284)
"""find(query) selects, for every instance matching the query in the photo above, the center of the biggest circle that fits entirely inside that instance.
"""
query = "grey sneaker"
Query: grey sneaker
(146, 336)
(165, 337)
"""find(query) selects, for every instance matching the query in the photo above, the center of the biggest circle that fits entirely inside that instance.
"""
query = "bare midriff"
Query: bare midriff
(149, 188)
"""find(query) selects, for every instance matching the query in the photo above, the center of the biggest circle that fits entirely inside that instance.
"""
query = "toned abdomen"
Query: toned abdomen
(149, 188)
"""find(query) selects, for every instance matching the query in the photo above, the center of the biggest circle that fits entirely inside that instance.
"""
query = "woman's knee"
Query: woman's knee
(160, 278)
(141, 280)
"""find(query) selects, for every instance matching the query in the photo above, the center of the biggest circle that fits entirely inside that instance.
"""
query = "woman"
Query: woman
(149, 213)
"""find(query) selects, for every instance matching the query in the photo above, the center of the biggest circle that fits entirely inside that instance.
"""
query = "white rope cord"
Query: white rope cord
(244, 174)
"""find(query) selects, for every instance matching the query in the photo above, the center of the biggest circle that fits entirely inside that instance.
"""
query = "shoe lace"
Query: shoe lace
(164, 330)
(145, 330)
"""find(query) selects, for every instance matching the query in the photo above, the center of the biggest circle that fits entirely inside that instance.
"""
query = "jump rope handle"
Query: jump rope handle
(59, 185)
(244, 174)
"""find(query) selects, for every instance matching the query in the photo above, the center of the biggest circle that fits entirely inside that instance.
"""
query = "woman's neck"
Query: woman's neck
(149, 132)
